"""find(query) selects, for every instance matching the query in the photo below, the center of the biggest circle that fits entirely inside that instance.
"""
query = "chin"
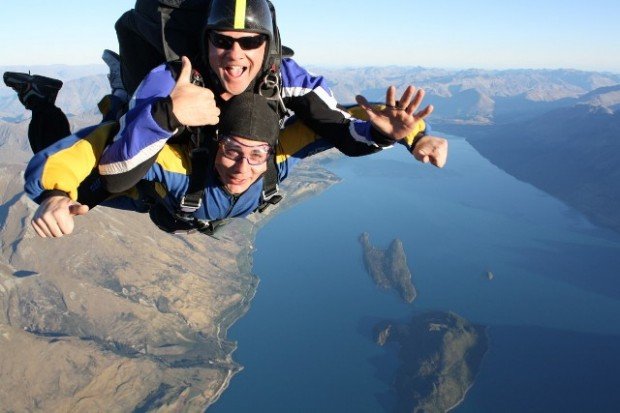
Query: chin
(237, 189)
(236, 89)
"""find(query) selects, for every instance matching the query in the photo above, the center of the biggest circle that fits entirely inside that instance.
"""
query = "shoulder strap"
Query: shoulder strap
(270, 195)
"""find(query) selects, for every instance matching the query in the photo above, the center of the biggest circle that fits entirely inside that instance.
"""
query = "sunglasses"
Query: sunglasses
(246, 43)
(233, 150)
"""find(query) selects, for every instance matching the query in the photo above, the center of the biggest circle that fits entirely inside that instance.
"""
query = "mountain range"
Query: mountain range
(571, 152)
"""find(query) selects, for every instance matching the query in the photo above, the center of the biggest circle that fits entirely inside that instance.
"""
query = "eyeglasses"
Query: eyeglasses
(246, 43)
(233, 150)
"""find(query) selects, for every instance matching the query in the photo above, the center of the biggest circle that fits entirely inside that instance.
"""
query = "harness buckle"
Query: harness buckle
(269, 88)
(269, 198)
(189, 205)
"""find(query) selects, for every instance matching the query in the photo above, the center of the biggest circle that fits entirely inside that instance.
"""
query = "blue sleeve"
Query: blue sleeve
(140, 137)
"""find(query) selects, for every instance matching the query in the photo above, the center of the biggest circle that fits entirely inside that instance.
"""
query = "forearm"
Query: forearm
(145, 129)
(312, 101)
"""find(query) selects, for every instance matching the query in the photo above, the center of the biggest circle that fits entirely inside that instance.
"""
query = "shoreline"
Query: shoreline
(245, 264)
(244, 260)
(473, 382)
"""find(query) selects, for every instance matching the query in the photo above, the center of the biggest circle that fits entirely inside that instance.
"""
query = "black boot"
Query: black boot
(30, 86)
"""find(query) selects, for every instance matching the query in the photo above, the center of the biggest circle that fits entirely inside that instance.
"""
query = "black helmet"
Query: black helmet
(240, 15)
(257, 16)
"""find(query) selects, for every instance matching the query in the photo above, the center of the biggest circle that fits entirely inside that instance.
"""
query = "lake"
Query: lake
(552, 308)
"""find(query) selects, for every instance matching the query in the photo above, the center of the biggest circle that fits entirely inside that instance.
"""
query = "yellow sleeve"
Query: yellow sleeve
(67, 168)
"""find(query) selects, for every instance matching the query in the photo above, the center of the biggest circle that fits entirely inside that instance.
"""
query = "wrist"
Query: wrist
(380, 139)
(49, 194)
(163, 114)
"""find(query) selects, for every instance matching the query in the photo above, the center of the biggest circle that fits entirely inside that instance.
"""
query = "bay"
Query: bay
(306, 343)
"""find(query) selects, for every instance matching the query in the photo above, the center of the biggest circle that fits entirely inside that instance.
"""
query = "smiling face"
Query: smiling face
(235, 67)
(237, 175)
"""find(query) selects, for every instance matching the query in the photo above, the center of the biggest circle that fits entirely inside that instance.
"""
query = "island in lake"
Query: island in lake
(440, 355)
(388, 268)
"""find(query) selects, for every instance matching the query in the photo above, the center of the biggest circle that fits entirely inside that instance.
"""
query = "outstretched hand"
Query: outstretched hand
(54, 217)
(398, 119)
(191, 104)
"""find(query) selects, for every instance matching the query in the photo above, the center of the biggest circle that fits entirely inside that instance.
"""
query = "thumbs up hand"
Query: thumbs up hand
(191, 104)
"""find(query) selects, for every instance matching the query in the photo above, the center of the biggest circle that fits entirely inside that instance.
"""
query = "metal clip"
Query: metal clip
(189, 206)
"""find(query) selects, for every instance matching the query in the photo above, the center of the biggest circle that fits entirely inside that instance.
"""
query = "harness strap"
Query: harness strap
(269, 195)
(192, 200)
(165, 13)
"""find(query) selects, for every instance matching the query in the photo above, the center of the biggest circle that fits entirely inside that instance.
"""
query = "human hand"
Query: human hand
(54, 217)
(191, 104)
(431, 149)
(397, 119)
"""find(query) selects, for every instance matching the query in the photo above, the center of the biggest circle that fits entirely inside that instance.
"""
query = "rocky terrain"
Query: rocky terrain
(119, 316)
(388, 268)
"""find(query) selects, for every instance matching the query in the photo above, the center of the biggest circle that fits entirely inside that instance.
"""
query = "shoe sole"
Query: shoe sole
(16, 79)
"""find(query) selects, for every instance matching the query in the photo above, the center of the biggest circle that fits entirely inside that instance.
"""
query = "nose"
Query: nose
(241, 164)
(236, 52)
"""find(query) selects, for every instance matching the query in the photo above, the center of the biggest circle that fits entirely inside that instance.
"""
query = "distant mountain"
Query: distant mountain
(63, 72)
(573, 153)
(604, 96)
(460, 96)
(83, 87)
(14, 146)
(472, 96)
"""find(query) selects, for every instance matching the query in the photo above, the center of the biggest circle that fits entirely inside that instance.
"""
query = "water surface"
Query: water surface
(553, 306)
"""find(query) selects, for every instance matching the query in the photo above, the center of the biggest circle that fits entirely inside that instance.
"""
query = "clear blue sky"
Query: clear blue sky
(431, 33)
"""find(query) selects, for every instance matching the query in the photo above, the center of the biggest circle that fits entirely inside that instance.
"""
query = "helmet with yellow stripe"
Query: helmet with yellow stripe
(256, 16)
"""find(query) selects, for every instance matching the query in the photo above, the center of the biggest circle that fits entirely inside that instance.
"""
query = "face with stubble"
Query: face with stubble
(236, 58)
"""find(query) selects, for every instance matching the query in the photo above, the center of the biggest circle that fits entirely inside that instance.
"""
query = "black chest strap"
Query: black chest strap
(270, 194)
(201, 162)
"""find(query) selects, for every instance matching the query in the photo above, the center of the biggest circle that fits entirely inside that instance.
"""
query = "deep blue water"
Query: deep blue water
(553, 307)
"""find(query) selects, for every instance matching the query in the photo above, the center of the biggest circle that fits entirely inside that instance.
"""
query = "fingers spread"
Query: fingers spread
(405, 99)
(390, 97)
(415, 103)
(364, 104)
(424, 112)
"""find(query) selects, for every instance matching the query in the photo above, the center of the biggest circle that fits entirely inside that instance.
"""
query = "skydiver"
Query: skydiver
(235, 59)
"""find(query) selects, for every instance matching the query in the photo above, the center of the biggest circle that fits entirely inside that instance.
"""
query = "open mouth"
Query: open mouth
(235, 71)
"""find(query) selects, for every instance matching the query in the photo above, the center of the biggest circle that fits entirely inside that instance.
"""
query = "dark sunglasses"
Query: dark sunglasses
(246, 43)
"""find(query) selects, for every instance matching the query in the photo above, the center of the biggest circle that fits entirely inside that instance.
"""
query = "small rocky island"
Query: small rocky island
(440, 355)
(388, 268)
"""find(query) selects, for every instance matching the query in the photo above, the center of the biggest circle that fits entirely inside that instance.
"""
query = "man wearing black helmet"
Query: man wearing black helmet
(241, 51)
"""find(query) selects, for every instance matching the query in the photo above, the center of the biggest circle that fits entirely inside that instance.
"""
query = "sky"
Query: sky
(455, 34)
